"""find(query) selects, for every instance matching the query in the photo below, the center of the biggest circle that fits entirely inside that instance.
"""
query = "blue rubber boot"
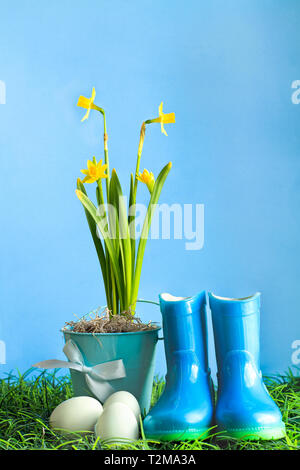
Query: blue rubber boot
(185, 409)
(244, 407)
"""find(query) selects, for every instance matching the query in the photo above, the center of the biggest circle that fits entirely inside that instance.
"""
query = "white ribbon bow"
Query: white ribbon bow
(96, 377)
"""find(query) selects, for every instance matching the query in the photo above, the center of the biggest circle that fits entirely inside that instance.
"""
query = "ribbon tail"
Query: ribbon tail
(110, 370)
(100, 389)
(51, 364)
(57, 364)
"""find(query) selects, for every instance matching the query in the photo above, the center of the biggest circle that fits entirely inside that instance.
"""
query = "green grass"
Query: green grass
(26, 403)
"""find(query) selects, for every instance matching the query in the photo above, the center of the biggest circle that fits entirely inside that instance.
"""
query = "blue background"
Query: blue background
(226, 69)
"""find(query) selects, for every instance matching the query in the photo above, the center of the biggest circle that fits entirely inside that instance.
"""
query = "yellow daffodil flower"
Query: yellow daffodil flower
(94, 172)
(165, 118)
(87, 103)
(147, 178)
(168, 118)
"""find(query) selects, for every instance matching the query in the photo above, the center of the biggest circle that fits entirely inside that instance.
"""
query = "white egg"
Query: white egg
(127, 399)
(76, 414)
(117, 422)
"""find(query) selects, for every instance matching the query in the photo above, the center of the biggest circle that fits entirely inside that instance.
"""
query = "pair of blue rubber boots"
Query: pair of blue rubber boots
(186, 410)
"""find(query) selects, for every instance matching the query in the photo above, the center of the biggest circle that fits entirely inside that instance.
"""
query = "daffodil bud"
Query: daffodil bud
(147, 178)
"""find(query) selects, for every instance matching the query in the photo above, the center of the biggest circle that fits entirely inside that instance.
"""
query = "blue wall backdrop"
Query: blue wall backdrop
(226, 69)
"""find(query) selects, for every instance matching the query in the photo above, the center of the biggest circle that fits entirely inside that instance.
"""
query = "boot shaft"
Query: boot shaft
(236, 325)
(184, 327)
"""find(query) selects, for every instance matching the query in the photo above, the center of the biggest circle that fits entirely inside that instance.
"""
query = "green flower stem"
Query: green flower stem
(105, 137)
(150, 121)
(139, 154)
(132, 198)
(145, 230)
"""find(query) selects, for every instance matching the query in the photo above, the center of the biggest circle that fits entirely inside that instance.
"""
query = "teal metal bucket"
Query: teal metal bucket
(136, 349)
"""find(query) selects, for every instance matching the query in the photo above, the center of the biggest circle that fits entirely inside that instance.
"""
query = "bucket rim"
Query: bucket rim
(78, 333)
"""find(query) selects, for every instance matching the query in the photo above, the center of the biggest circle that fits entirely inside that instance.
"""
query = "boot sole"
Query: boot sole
(187, 435)
(255, 434)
